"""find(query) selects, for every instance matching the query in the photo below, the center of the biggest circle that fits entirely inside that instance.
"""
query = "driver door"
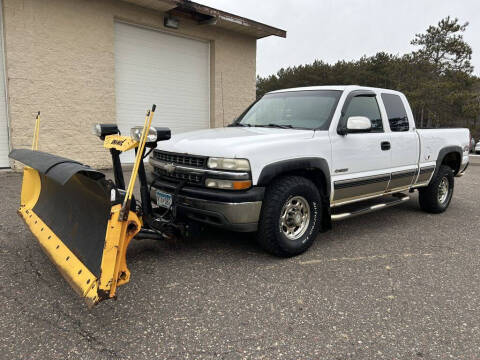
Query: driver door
(360, 161)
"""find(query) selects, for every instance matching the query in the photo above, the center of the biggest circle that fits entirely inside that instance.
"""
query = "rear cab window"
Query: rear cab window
(397, 115)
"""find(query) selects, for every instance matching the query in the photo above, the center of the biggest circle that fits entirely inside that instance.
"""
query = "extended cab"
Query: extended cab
(298, 158)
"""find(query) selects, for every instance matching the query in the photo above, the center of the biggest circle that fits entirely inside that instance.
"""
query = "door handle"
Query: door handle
(385, 145)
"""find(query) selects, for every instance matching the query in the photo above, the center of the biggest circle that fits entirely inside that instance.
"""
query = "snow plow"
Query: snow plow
(83, 221)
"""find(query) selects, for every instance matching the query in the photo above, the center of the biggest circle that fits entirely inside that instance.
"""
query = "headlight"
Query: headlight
(102, 130)
(228, 164)
(228, 184)
(154, 134)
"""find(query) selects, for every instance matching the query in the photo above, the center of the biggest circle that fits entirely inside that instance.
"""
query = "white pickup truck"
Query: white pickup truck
(299, 158)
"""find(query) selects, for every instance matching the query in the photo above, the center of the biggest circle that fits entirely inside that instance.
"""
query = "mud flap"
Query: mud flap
(68, 208)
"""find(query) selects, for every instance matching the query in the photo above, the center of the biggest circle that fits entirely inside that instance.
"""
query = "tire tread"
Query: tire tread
(427, 197)
(268, 221)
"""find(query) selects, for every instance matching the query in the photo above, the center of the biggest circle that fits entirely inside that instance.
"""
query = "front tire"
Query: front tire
(436, 197)
(291, 216)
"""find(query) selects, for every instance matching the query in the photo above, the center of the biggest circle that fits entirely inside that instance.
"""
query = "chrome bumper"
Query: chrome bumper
(463, 169)
(242, 216)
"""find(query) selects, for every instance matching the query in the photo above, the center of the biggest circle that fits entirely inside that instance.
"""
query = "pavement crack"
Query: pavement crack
(78, 328)
(89, 336)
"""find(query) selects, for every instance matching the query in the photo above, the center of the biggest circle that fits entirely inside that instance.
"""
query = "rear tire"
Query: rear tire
(436, 197)
(291, 216)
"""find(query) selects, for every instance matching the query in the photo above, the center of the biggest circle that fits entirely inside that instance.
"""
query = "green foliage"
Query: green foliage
(437, 78)
(443, 46)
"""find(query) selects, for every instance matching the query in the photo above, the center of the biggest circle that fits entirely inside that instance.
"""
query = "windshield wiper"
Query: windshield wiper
(240, 124)
(287, 126)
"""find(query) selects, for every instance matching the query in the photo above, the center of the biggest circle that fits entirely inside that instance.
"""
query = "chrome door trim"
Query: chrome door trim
(356, 189)
(402, 179)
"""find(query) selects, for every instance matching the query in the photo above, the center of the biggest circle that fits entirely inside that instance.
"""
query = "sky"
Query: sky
(332, 30)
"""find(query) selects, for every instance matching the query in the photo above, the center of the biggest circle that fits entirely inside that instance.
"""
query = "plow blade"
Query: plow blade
(73, 211)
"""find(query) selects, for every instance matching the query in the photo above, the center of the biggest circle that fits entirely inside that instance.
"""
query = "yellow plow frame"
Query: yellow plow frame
(83, 222)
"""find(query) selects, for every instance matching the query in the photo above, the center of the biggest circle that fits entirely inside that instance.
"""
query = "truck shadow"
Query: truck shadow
(208, 240)
(213, 241)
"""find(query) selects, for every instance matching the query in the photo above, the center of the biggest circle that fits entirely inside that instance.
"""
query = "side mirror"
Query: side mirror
(356, 124)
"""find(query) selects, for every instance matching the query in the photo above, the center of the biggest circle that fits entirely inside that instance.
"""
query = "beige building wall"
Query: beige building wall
(60, 60)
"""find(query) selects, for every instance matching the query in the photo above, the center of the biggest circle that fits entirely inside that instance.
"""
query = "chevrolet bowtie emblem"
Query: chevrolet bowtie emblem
(169, 168)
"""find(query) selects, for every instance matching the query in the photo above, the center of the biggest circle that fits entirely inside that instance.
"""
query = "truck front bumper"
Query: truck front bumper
(232, 210)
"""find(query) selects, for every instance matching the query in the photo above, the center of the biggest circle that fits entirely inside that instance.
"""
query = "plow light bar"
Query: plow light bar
(102, 130)
(155, 134)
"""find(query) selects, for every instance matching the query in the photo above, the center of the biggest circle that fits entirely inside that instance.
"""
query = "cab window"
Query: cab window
(397, 115)
(366, 106)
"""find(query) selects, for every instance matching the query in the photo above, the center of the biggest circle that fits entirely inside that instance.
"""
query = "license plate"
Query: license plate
(164, 200)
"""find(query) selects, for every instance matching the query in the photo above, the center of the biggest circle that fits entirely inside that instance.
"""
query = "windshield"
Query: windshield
(295, 109)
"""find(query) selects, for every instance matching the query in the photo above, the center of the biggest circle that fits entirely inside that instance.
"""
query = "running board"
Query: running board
(357, 209)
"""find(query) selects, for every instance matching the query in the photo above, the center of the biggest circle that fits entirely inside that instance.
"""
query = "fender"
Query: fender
(272, 170)
(447, 150)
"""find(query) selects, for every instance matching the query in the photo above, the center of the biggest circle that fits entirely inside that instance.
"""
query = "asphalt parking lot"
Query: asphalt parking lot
(396, 284)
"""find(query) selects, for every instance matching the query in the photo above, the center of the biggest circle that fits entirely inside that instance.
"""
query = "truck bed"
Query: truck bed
(433, 140)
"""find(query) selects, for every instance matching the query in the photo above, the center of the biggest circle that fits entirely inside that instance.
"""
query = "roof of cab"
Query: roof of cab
(336, 87)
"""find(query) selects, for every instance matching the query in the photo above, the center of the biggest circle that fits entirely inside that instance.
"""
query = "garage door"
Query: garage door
(3, 108)
(173, 72)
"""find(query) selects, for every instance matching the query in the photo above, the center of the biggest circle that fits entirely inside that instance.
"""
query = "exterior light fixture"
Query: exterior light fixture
(171, 22)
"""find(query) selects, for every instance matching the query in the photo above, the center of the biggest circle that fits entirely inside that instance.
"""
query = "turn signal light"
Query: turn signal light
(242, 185)
(228, 184)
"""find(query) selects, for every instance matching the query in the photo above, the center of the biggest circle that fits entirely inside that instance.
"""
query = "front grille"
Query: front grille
(183, 160)
(178, 177)
(180, 159)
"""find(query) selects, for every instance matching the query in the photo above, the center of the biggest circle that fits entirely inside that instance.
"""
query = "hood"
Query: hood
(231, 141)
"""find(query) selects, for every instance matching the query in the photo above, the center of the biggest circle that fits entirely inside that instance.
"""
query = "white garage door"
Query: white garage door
(3, 107)
(172, 72)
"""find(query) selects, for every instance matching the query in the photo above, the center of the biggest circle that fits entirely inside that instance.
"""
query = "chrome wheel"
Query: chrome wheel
(295, 217)
(443, 189)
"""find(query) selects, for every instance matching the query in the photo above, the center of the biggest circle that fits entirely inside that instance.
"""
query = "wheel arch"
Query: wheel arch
(451, 156)
(314, 169)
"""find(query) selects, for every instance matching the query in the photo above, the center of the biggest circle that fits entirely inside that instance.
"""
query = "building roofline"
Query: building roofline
(206, 15)
(226, 16)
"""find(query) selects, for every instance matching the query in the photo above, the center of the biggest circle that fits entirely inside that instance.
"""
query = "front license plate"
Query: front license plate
(164, 200)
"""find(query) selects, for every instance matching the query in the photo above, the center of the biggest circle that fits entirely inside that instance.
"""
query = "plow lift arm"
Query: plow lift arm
(84, 222)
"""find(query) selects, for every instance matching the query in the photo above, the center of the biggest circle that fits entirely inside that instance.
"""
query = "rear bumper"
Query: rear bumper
(463, 169)
(463, 166)
(232, 210)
